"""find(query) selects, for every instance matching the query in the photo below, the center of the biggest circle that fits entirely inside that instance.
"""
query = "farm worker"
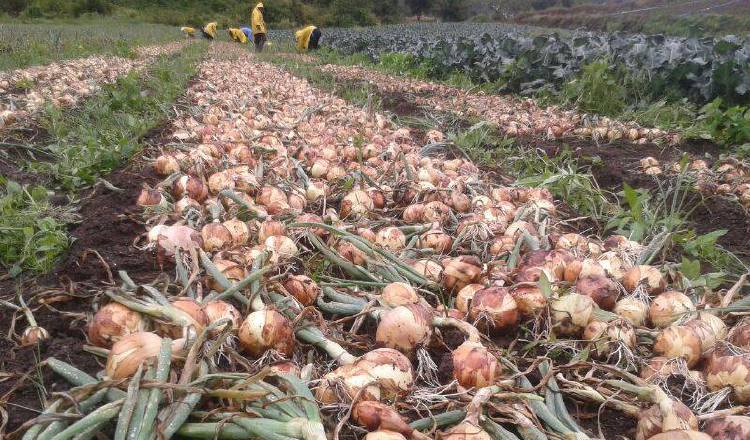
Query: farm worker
(308, 38)
(237, 35)
(247, 31)
(259, 27)
(209, 31)
(189, 32)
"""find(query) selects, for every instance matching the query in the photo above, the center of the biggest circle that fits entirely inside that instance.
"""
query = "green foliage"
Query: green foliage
(32, 231)
(106, 130)
(23, 44)
(597, 89)
(730, 126)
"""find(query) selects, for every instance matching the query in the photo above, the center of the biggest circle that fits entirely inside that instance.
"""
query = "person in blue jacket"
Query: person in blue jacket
(248, 32)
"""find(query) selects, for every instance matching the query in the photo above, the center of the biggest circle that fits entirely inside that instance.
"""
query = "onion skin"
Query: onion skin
(571, 313)
(668, 307)
(474, 366)
(399, 294)
(530, 299)
(601, 289)
(498, 305)
(681, 435)
(464, 431)
(217, 310)
(466, 295)
(131, 351)
(191, 308)
(112, 322)
(679, 341)
(647, 276)
(650, 420)
(384, 435)
(405, 328)
(302, 288)
(730, 371)
(377, 416)
(740, 335)
(392, 370)
(460, 271)
(728, 428)
(266, 330)
(632, 309)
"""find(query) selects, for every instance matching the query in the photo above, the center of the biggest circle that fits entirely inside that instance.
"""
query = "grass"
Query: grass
(107, 129)
(24, 44)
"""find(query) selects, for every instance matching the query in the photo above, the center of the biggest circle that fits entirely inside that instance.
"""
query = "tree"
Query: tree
(13, 7)
(451, 10)
(419, 7)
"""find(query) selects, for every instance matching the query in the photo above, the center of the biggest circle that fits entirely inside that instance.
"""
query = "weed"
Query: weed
(597, 89)
(729, 126)
(32, 230)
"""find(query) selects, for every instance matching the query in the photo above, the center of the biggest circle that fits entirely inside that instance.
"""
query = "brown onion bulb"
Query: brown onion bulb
(218, 310)
(432, 270)
(650, 420)
(436, 239)
(668, 307)
(460, 271)
(150, 197)
(608, 335)
(391, 369)
(34, 335)
(740, 335)
(497, 305)
(474, 366)
(710, 329)
(193, 310)
(166, 165)
(391, 238)
(384, 435)
(399, 294)
(405, 328)
(281, 248)
(678, 341)
(265, 330)
(269, 228)
(728, 427)
(215, 237)
(571, 313)
(376, 416)
(303, 288)
(356, 204)
(681, 434)
(239, 231)
(465, 295)
(647, 276)
(632, 309)
(530, 299)
(112, 322)
(231, 270)
(731, 371)
(601, 289)
(354, 380)
(436, 212)
(350, 252)
(274, 200)
(131, 351)
(190, 186)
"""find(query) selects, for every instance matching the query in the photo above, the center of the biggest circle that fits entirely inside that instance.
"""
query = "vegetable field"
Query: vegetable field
(207, 243)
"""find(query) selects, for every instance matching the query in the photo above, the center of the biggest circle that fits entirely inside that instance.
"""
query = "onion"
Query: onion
(384, 435)
(150, 197)
(606, 336)
(460, 271)
(647, 276)
(405, 328)
(377, 416)
(708, 330)
(171, 238)
(612, 264)
(681, 434)
(497, 305)
(581, 269)
(190, 186)
(668, 307)
(131, 351)
(571, 313)
(650, 421)
(432, 270)
(465, 295)
(356, 204)
(350, 252)
(728, 427)
(285, 367)
(391, 238)
(353, 379)
(220, 181)
(112, 322)
(465, 431)
(265, 330)
(274, 200)
(315, 190)
(166, 165)
(474, 366)
(215, 237)
(678, 341)
(218, 310)
(436, 239)
(269, 228)
(184, 204)
(319, 168)
(399, 294)
(239, 231)
(193, 310)
(414, 213)
(391, 369)
(730, 371)
(601, 289)
(632, 309)
(436, 212)
(530, 299)
(502, 245)
(740, 335)
(303, 289)
(378, 197)
(281, 248)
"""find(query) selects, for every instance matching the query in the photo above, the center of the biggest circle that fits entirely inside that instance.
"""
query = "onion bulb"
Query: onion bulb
(465, 295)
(668, 307)
(269, 228)
(606, 336)
(384, 435)
(465, 431)
(432, 270)
(391, 238)
(33, 335)
(601, 289)
(650, 420)
(351, 253)
(728, 427)
(131, 351)
(265, 330)
(232, 271)
(405, 328)
(302, 288)
(112, 322)
(530, 299)
(238, 230)
(150, 198)
(281, 248)
(681, 434)
(497, 306)
(571, 313)
(392, 370)
(190, 186)
(399, 294)
(376, 416)
(740, 335)
(274, 200)
(647, 276)
(166, 165)
(677, 341)
(192, 310)
(460, 271)
(633, 309)
(218, 310)
(436, 239)
(474, 366)
(356, 204)
(215, 237)
(731, 371)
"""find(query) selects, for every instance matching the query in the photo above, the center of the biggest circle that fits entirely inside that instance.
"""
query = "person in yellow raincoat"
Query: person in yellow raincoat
(189, 31)
(307, 38)
(258, 24)
(237, 35)
(209, 30)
